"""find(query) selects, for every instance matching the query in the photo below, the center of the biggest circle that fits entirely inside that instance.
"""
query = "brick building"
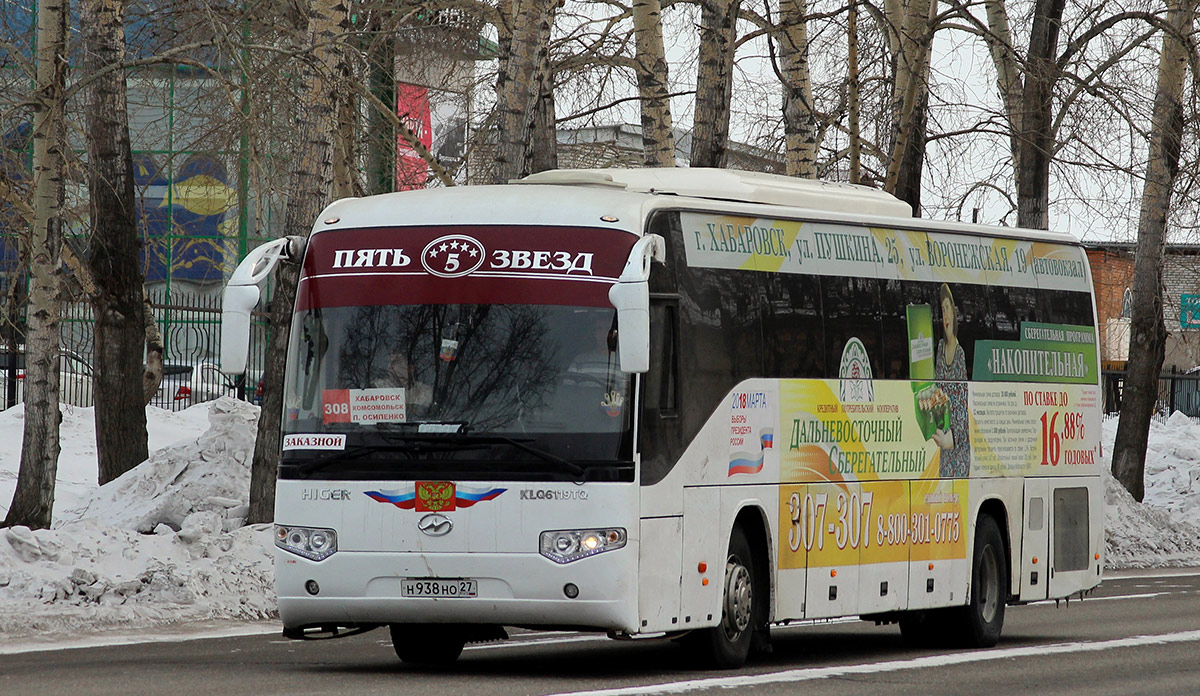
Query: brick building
(1112, 277)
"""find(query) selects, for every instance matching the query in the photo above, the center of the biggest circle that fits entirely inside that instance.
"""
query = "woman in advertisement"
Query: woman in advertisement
(950, 370)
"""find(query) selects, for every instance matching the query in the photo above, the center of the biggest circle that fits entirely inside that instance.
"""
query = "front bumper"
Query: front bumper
(513, 589)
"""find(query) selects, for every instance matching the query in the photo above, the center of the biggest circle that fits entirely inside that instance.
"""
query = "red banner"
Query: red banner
(412, 107)
(467, 264)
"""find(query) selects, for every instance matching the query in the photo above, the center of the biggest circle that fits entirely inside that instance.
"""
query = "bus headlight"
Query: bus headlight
(312, 543)
(566, 545)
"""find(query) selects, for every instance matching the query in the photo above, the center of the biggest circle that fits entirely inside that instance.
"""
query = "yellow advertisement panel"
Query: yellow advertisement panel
(825, 248)
(889, 502)
(881, 430)
(876, 436)
(842, 524)
(938, 522)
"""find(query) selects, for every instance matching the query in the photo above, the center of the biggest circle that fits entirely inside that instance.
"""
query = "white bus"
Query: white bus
(677, 403)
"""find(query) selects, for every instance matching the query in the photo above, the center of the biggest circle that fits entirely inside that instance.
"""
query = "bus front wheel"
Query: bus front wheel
(726, 645)
(429, 645)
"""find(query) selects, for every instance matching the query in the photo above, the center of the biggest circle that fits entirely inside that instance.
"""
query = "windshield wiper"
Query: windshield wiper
(569, 466)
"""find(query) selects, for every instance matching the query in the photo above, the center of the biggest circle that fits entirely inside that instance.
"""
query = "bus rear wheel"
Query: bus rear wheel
(427, 645)
(727, 645)
(978, 624)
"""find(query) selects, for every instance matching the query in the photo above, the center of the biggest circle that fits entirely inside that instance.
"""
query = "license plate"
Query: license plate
(438, 587)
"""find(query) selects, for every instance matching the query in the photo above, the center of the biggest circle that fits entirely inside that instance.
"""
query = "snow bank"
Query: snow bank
(162, 543)
(210, 474)
(1162, 530)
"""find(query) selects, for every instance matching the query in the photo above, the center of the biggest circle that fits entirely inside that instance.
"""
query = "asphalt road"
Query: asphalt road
(1138, 634)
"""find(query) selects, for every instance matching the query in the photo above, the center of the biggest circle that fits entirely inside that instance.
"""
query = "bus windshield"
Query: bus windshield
(501, 391)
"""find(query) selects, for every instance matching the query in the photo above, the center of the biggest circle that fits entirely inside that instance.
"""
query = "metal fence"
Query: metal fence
(190, 324)
(1177, 391)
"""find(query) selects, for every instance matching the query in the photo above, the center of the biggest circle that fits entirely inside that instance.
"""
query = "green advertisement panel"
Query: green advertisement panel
(1059, 353)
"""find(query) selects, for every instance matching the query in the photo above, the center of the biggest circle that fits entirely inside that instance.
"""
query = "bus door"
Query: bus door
(1035, 542)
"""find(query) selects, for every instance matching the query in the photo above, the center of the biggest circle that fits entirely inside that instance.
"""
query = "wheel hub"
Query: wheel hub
(989, 589)
(739, 598)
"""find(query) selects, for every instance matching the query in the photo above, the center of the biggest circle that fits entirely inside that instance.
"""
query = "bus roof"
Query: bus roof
(620, 197)
(808, 198)
(733, 185)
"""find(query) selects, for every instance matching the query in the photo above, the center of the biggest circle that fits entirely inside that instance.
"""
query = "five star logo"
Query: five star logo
(452, 256)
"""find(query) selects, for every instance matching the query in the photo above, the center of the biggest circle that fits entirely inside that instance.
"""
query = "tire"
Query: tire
(427, 645)
(978, 624)
(727, 645)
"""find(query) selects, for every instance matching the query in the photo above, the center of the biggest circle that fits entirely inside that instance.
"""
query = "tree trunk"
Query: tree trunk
(153, 374)
(852, 94)
(33, 499)
(799, 122)
(310, 180)
(1147, 331)
(910, 104)
(117, 297)
(658, 135)
(543, 137)
(519, 86)
(347, 181)
(381, 150)
(1008, 73)
(1036, 137)
(714, 82)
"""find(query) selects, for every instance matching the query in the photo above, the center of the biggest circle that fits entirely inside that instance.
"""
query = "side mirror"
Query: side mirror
(235, 327)
(242, 294)
(631, 298)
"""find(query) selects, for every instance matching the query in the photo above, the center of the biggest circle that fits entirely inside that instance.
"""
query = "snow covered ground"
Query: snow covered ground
(165, 544)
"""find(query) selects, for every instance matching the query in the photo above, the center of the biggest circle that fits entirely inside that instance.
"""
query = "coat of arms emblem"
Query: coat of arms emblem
(435, 496)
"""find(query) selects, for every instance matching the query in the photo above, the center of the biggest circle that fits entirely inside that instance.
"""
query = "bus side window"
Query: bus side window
(662, 378)
(1011, 307)
(1066, 307)
(894, 298)
(793, 332)
(974, 318)
(661, 430)
(851, 311)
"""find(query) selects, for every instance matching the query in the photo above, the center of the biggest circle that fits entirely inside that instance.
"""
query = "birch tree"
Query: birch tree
(658, 136)
(799, 119)
(1035, 141)
(543, 135)
(524, 62)
(853, 126)
(1039, 88)
(1147, 331)
(714, 82)
(33, 499)
(116, 297)
(310, 180)
(910, 100)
